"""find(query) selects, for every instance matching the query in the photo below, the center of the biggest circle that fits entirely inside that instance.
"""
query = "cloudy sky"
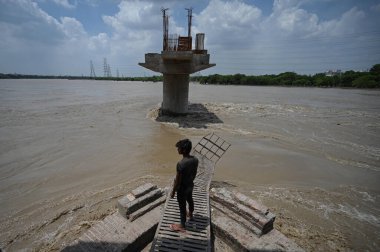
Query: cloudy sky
(61, 37)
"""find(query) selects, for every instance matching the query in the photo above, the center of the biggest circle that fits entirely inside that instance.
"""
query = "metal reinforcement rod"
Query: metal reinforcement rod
(198, 235)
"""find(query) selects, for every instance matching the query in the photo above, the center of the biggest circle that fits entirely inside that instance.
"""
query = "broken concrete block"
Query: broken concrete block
(241, 239)
(136, 193)
(245, 200)
(258, 215)
(215, 206)
(126, 207)
(144, 189)
(116, 233)
(130, 197)
(146, 208)
(257, 207)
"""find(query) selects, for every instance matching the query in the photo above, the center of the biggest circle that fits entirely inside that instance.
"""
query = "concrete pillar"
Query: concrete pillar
(176, 66)
(175, 94)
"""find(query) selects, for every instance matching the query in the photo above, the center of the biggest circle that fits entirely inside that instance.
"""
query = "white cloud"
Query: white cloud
(72, 28)
(238, 35)
(139, 14)
(29, 22)
(99, 42)
(29, 34)
(28, 31)
(136, 22)
(280, 5)
(291, 38)
(65, 3)
(235, 22)
(349, 23)
(292, 21)
(228, 23)
(137, 29)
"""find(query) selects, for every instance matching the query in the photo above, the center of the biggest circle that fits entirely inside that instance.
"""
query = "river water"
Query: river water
(70, 148)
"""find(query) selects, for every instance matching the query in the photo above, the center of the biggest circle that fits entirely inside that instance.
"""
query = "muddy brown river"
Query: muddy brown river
(70, 148)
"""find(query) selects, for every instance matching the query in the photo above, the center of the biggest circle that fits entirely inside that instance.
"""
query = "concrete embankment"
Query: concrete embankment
(238, 223)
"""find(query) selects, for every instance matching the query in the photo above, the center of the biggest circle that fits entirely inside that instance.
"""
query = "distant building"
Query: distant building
(331, 73)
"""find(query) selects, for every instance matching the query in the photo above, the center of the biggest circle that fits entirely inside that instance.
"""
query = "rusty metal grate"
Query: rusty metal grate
(212, 147)
(197, 236)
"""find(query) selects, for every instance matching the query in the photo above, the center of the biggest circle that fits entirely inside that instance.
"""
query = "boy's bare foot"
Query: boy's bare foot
(177, 228)
(189, 215)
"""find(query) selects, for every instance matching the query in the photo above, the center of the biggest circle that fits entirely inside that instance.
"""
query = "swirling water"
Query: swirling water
(70, 148)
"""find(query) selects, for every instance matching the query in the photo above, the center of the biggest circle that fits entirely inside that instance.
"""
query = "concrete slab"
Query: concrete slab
(147, 208)
(126, 207)
(240, 238)
(115, 233)
(144, 189)
(258, 215)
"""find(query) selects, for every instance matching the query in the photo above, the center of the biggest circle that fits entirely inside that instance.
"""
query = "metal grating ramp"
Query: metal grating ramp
(212, 147)
(197, 236)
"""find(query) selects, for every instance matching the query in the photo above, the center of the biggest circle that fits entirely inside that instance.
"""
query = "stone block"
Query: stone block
(126, 207)
(136, 193)
(251, 203)
(115, 233)
(144, 189)
(146, 208)
(241, 239)
(249, 209)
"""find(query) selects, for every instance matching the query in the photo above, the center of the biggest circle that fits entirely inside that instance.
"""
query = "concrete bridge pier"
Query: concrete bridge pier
(176, 67)
(176, 62)
(175, 94)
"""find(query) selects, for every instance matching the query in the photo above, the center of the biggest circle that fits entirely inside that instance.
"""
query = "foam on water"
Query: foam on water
(328, 204)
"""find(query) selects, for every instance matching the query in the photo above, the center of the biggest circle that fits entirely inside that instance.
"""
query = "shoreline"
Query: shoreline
(150, 79)
(237, 223)
(75, 220)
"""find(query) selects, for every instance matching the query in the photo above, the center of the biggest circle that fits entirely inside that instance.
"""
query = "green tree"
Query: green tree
(375, 69)
(348, 77)
(237, 79)
(286, 79)
(301, 83)
(366, 81)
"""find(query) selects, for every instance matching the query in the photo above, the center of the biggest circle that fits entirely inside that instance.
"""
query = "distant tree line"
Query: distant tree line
(30, 76)
(68, 77)
(350, 79)
(155, 78)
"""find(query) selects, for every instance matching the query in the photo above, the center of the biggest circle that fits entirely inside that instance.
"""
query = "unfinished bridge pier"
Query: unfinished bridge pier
(176, 62)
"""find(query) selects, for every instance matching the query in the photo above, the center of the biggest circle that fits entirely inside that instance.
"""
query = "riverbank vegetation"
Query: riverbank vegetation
(69, 77)
(350, 79)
